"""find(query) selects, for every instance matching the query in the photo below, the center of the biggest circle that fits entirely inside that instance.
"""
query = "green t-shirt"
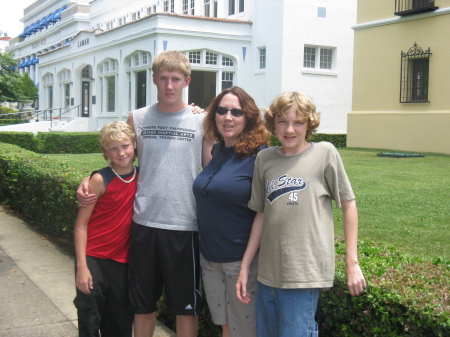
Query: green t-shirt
(295, 193)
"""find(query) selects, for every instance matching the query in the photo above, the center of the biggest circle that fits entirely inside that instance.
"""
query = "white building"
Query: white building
(93, 58)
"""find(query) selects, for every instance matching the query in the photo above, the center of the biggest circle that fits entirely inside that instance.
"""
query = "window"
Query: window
(207, 7)
(210, 8)
(85, 72)
(109, 25)
(185, 7)
(233, 4)
(227, 80)
(413, 7)
(321, 12)
(166, 6)
(262, 58)
(135, 16)
(111, 93)
(326, 58)
(194, 57)
(414, 75)
(309, 57)
(319, 58)
(211, 58)
(172, 6)
(227, 62)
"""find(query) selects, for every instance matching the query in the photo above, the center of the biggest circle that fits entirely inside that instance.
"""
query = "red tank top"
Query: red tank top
(109, 227)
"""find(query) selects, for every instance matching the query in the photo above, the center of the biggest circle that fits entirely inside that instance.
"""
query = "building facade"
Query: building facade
(93, 58)
(401, 72)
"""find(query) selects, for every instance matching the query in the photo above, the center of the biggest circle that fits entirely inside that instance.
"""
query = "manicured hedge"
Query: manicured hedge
(338, 140)
(42, 190)
(54, 142)
(6, 121)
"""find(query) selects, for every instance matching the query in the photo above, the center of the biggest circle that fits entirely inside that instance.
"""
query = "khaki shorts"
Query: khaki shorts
(219, 281)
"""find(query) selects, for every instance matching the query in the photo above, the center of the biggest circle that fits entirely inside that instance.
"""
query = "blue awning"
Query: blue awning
(46, 20)
(57, 14)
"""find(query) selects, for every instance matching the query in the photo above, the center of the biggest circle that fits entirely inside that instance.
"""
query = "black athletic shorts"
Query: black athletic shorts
(164, 259)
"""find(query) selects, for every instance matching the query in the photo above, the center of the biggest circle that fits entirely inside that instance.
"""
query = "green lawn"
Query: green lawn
(404, 202)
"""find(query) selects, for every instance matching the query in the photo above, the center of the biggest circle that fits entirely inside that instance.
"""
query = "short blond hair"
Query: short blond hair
(115, 131)
(172, 60)
(301, 103)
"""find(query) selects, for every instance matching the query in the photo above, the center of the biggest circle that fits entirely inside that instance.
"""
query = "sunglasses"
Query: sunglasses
(235, 112)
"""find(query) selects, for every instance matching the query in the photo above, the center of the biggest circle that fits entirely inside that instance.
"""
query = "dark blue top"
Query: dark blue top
(222, 191)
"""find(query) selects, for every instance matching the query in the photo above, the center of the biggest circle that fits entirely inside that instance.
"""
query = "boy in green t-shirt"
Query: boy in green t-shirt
(292, 192)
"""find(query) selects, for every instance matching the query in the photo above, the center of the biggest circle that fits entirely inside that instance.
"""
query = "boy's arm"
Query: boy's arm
(252, 248)
(206, 149)
(83, 277)
(355, 278)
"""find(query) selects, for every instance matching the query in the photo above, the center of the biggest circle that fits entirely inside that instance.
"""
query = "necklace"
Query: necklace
(125, 181)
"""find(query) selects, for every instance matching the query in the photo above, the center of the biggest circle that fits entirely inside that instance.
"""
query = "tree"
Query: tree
(27, 90)
(9, 79)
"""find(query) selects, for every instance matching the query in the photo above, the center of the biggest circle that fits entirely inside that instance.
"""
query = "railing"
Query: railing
(407, 7)
(40, 115)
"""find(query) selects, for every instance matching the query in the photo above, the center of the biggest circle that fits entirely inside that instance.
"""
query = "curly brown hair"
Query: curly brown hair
(255, 133)
(302, 104)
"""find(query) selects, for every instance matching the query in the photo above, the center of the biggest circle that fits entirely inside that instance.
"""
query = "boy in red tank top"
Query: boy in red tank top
(102, 239)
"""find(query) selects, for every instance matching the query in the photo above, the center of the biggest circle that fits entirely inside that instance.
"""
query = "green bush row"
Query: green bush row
(338, 140)
(54, 142)
(40, 189)
(5, 109)
(407, 296)
(8, 121)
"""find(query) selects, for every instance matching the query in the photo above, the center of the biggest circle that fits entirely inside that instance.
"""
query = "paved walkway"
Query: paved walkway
(37, 284)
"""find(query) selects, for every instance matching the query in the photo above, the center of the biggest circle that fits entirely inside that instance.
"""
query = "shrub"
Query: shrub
(338, 140)
(407, 296)
(67, 142)
(23, 139)
(5, 109)
(54, 142)
(42, 190)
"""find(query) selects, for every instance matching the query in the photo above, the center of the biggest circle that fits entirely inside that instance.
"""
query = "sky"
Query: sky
(10, 14)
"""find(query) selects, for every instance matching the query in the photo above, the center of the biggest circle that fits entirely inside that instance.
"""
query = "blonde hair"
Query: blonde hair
(172, 60)
(301, 103)
(115, 131)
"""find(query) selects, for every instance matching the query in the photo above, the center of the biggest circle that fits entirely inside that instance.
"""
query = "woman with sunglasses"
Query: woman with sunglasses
(222, 191)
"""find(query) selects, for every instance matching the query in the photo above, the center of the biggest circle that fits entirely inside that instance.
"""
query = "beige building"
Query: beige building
(401, 76)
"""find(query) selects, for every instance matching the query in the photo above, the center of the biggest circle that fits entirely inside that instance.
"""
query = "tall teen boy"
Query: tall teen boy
(164, 241)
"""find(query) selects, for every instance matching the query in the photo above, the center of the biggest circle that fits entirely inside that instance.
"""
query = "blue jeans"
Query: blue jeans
(286, 312)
